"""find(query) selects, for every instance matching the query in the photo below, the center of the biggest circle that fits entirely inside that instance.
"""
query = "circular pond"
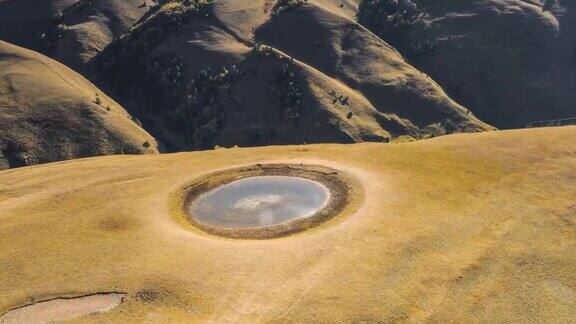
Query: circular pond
(260, 201)
(264, 201)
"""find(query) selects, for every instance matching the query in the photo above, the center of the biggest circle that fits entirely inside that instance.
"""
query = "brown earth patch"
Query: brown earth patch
(63, 308)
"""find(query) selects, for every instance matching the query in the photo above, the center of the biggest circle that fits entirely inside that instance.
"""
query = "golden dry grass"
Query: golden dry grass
(477, 227)
(53, 113)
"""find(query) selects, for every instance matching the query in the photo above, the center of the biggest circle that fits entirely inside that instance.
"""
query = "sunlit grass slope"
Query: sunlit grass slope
(476, 227)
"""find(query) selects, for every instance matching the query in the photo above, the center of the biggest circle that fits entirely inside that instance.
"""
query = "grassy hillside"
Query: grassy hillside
(521, 67)
(202, 74)
(50, 113)
(72, 32)
(437, 75)
(465, 228)
(347, 52)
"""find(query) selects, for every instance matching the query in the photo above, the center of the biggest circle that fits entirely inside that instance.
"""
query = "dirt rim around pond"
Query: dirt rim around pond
(343, 190)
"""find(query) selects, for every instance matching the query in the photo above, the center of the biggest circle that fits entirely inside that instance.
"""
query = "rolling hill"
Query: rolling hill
(205, 74)
(50, 113)
(72, 32)
(509, 61)
(465, 228)
(419, 70)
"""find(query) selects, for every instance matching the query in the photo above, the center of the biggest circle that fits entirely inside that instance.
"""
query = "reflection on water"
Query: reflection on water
(260, 201)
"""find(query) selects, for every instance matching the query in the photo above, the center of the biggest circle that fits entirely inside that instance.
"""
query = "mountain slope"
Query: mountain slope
(509, 61)
(343, 50)
(69, 31)
(50, 113)
(197, 76)
(466, 228)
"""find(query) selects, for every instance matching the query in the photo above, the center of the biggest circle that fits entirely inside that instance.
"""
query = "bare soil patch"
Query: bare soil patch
(63, 308)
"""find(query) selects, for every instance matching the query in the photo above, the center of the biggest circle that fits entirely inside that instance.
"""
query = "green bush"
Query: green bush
(196, 105)
(397, 22)
(284, 5)
(289, 91)
(122, 59)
